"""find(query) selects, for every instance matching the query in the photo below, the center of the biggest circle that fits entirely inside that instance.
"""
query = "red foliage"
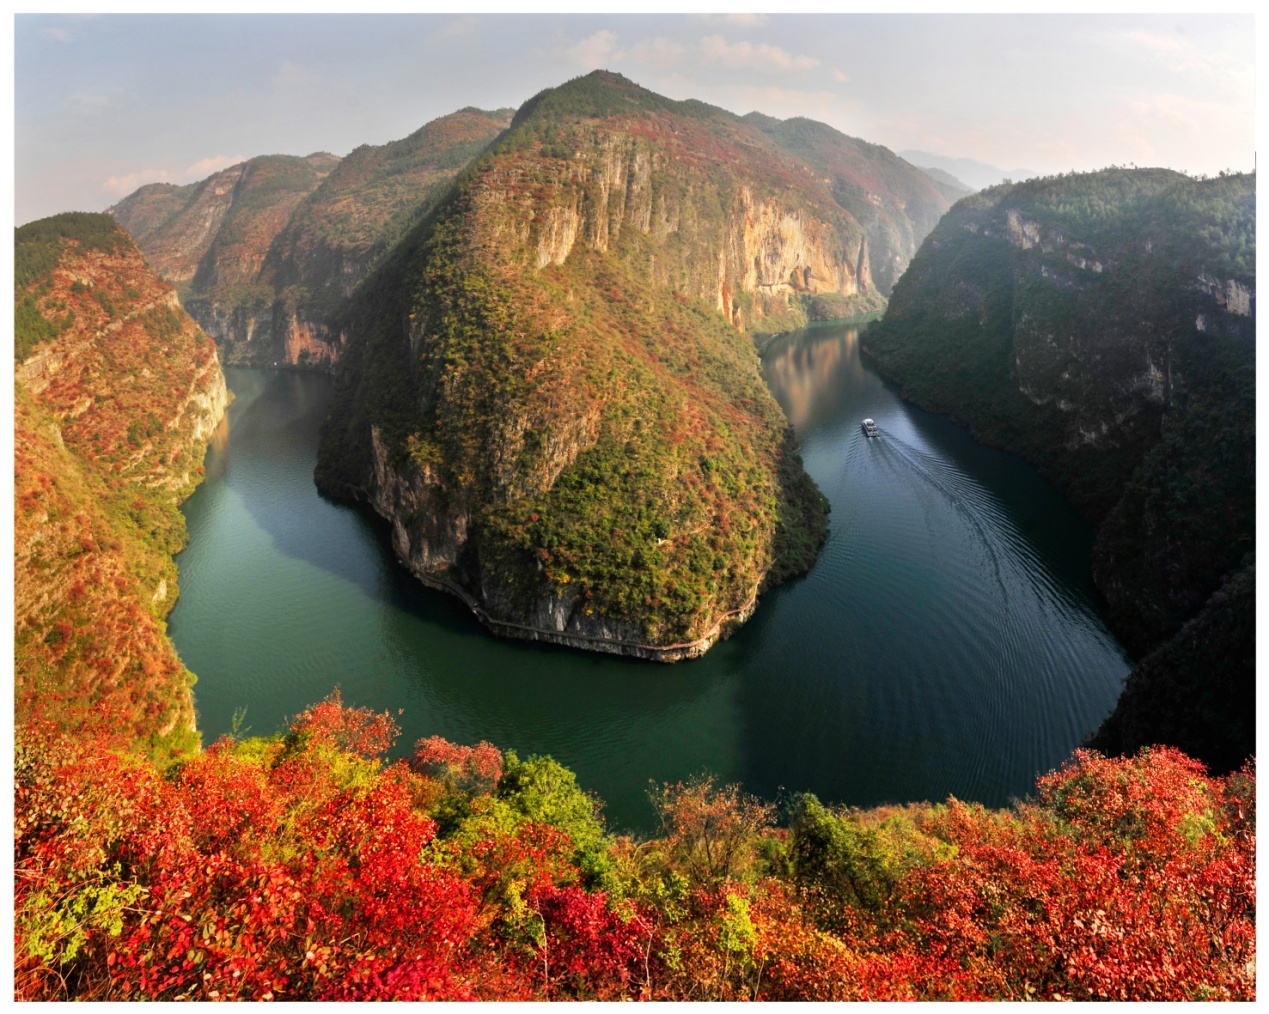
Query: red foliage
(469, 769)
(588, 950)
(301, 869)
(356, 730)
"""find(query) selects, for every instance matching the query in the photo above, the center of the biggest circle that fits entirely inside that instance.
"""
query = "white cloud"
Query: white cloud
(659, 52)
(839, 77)
(747, 56)
(744, 20)
(121, 186)
(596, 51)
(56, 34)
(207, 166)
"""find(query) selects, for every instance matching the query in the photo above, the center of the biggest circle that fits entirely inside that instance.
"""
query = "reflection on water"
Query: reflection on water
(812, 379)
(945, 641)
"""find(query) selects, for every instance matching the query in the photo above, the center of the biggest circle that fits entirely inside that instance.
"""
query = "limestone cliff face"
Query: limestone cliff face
(1103, 326)
(895, 203)
(744, 247)
(116, 401)
(550, 393)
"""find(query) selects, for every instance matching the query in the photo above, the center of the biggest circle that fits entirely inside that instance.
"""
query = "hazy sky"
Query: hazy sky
(105, 103)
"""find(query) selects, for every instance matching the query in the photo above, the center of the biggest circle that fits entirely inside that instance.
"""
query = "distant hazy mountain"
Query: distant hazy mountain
(972, 173)
(947, 183)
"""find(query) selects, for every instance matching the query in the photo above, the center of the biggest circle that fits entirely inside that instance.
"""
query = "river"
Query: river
(946, 641)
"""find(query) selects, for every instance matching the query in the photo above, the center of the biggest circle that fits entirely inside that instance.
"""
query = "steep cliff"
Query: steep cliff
(266, 251)
(117, 392)
(363, 208)
(547, 390)
(896, 203)
(1104, 327)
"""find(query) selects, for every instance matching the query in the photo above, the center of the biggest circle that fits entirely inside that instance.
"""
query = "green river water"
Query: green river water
(946, 642)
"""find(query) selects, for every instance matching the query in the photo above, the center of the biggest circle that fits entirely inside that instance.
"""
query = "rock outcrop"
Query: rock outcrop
(1103, 326)
(117, 392)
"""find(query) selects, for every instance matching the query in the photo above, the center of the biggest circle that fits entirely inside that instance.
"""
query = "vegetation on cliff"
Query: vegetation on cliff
(113, 401)
(1103, 326)
(300, 233)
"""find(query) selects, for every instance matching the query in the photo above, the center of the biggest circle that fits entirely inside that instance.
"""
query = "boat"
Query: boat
(870, 428)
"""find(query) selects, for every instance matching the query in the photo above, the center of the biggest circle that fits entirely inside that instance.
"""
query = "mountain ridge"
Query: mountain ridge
(589, 271)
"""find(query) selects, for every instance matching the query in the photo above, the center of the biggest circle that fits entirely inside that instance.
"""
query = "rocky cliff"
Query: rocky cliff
(896, 203)
(548, 390)
(1103, 326)
(266, 251)
(117, 391)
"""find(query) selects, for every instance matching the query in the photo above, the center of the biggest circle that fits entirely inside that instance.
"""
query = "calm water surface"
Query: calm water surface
(945, 642)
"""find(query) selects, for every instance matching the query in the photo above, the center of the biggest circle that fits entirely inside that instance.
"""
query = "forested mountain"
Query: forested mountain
(1103, 326)
(265, 251)
(117, 391)
(548, 390)
(215, 233)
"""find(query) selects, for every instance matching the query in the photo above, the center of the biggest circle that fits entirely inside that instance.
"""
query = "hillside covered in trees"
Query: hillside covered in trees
(301, 867)
(116, 393)
(1103, 326)
(548, 390)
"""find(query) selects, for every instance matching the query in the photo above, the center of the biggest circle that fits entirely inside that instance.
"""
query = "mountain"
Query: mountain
(218, 230)
(896, 206)
(1103, 326)
(966, 171)
(548, 388)
(116, 393)
(262, 252)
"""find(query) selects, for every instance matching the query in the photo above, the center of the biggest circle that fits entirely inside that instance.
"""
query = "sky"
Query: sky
(106, 103)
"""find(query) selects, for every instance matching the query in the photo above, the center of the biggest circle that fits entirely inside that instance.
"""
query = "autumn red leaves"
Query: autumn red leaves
(305, 867)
